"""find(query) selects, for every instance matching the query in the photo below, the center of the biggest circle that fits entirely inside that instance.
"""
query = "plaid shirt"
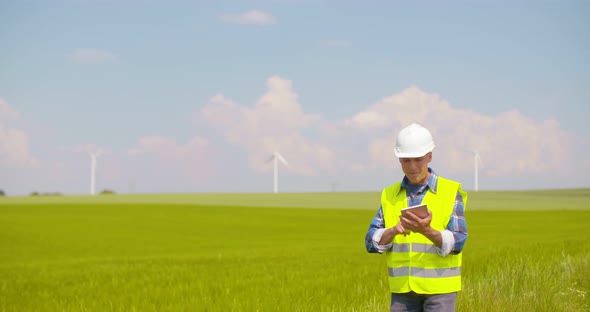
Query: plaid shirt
(415, 193)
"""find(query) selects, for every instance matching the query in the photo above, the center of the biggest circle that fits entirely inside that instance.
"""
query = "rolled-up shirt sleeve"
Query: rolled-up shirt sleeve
(376, 238)
(376, 229)
(448, 241)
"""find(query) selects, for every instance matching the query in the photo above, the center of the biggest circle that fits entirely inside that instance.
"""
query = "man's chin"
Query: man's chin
(415, 179)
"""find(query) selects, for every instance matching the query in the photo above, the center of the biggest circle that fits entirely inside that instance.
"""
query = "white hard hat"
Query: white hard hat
(413, 141)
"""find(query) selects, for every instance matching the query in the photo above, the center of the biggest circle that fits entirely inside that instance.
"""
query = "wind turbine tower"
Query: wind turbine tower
(276, 157)
(476, 160)
(93, 156)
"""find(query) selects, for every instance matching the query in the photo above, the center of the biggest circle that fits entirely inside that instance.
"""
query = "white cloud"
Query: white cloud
(253, 17)
(276, 122)
(14, 148)
(509, 143)
(369, 120)
(336, 43)
(92, 56)
(14, 143)
(410, 105)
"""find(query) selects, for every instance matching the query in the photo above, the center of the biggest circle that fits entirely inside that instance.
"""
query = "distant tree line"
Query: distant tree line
(2, 193)
(35, 193)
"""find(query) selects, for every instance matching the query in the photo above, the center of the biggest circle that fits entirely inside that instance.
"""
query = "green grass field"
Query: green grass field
(527, 251)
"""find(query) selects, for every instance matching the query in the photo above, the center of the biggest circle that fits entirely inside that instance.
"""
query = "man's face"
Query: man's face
(416, 169)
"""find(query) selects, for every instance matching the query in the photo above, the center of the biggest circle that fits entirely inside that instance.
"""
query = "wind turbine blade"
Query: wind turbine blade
(270, 159)
(280, 157)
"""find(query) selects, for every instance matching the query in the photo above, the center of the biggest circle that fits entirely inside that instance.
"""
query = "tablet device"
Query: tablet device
(421, 211)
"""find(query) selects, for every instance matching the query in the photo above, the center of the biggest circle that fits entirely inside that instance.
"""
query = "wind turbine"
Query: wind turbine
(276, 157)
(93, 156)
(476, 160)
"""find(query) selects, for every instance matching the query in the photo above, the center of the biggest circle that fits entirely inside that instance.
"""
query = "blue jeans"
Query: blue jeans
(413, 302)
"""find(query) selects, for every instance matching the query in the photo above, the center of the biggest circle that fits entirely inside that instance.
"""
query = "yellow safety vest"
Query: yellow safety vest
(413, 263)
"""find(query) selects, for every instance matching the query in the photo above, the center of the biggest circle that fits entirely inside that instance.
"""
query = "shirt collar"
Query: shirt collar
(431, 184)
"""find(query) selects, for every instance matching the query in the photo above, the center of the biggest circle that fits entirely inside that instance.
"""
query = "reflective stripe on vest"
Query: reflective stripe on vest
(430, 273)
(413, 261)
(416, 247)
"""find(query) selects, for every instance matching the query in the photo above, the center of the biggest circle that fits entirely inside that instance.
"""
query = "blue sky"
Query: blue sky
(194, 96)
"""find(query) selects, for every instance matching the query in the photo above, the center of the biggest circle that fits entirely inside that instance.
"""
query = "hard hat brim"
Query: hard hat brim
(413, 155)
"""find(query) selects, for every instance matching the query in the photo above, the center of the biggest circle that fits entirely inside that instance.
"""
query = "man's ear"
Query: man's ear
(429, 156)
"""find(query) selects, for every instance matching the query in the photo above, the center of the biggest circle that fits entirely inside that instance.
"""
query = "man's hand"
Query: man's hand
(422, 226)
(391, 232)
(415, 223)
(398, 229)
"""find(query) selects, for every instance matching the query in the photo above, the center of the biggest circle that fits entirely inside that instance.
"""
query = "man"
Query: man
(423, 255)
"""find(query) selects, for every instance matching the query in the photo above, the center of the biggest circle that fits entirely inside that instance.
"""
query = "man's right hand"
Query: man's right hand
(391, 232)
(399, 229)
